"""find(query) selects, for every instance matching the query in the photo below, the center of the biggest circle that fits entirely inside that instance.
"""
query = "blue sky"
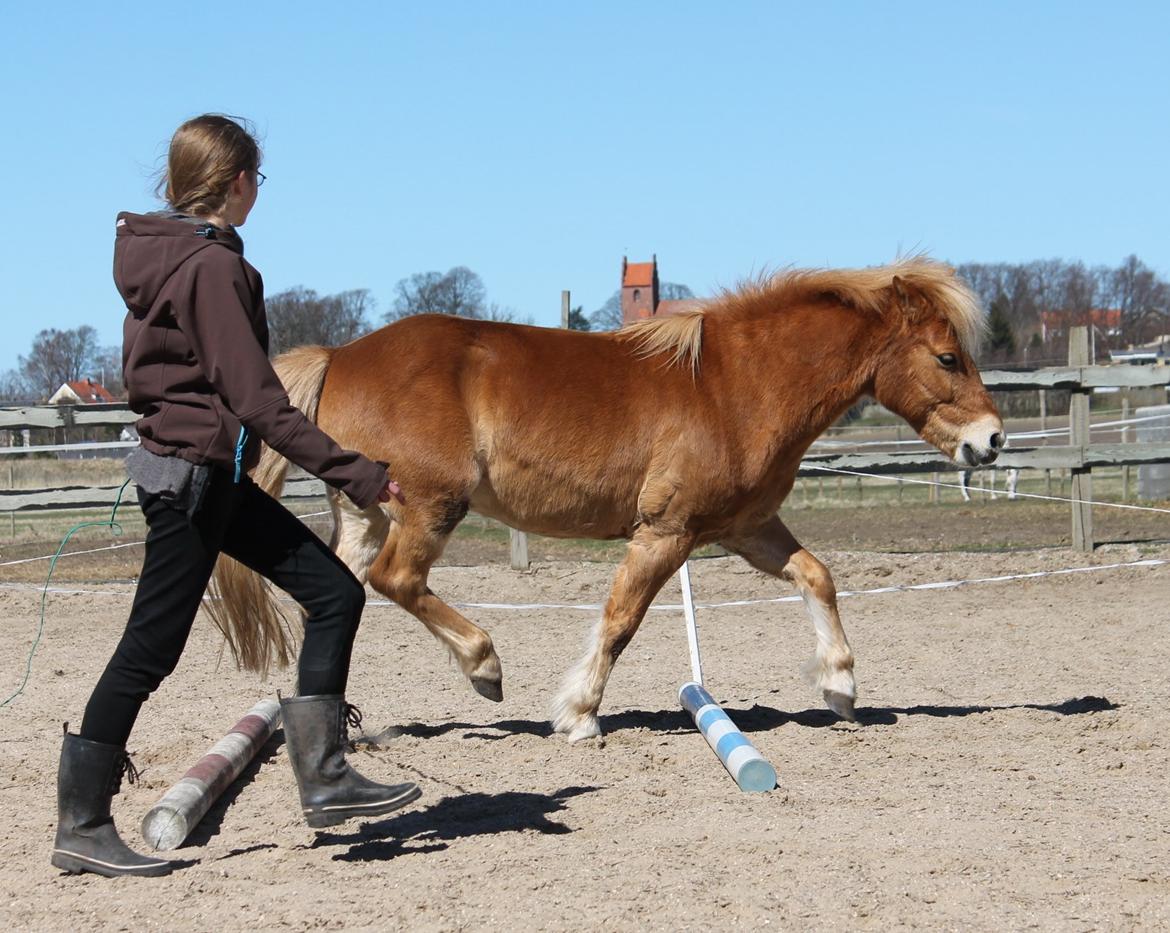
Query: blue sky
(537, 143)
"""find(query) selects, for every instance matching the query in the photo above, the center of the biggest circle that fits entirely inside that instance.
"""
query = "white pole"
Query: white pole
(171, 820)
(684, 579)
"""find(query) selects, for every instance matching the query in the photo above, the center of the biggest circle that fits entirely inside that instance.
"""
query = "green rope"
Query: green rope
(117, 530)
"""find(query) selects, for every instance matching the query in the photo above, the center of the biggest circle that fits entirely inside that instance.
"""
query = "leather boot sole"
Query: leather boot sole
(320, 817)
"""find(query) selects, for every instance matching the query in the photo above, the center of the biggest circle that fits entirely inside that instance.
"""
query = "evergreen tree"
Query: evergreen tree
(577, 319)
(1001, 339)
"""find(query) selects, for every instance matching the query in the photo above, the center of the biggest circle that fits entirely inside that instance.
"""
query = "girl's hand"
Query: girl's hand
(391, 489)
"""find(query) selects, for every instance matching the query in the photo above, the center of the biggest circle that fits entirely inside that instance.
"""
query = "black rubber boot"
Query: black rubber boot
(89, 776)
(331, 791)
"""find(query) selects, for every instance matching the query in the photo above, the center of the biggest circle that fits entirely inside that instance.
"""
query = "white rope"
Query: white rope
(1021, 495)
(833, 443)
(112, 547)
(896, 479)
(727, 604)
(30, 560)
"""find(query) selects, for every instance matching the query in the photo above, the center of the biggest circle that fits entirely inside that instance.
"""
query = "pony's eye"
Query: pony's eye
(949, 360)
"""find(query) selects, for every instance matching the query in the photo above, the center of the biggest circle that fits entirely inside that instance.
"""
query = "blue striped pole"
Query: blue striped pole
(742, 760)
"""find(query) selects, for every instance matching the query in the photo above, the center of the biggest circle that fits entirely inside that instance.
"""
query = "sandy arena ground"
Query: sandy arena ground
(1009, 770)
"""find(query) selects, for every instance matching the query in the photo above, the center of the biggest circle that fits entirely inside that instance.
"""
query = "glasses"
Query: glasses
(260, 178)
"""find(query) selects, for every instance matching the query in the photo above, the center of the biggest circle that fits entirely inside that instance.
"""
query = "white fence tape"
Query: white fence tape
(678, 607)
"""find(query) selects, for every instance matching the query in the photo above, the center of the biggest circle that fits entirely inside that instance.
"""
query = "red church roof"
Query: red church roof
(638, 275)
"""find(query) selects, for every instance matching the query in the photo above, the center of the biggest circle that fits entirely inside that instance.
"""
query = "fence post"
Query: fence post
(900, 484)
(1044, 439)
(519, 549)
(1078, 423)
(1125, 440)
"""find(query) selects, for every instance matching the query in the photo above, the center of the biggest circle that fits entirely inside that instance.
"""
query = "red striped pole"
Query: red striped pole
(171, 820)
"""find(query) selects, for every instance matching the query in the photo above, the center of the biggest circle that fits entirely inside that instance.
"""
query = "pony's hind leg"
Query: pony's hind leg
(648, 564)
(400, 572)
(774, 550)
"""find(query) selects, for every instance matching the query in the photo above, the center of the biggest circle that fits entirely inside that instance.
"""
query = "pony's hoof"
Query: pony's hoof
(840, 704)
(492, 689)
(588, 728)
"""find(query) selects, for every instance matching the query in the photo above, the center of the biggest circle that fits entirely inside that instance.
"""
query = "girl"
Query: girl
(196, 369)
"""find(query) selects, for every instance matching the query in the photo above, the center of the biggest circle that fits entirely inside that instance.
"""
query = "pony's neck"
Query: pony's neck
(798, 369)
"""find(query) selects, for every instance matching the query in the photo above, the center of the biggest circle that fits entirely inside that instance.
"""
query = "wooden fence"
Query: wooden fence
(1079, 456)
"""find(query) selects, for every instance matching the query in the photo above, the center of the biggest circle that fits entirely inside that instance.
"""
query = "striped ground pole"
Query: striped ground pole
(742, 760)
(171, 820)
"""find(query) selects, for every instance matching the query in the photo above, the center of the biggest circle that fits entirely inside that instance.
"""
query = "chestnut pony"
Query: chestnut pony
(670, 433)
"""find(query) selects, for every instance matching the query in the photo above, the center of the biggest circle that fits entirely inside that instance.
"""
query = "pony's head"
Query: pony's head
(926, 373)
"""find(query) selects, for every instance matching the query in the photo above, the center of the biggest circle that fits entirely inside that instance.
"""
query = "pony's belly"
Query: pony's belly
(556, 515)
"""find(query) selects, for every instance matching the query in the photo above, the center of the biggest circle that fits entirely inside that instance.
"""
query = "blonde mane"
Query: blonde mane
(680, 336)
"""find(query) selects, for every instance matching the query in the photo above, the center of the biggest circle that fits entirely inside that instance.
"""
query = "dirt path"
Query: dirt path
(1009, 770)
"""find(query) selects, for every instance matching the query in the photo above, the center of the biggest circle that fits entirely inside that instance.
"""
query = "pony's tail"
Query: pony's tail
(242, 603)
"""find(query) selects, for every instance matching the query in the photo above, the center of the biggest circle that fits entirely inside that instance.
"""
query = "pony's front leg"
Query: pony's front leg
(650, 561)
(774, 550)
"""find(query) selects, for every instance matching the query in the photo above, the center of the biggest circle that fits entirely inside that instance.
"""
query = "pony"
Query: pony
(670, 433)
(1011, 481)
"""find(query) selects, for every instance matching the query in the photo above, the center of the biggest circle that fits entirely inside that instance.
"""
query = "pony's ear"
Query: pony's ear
(906, 297)
(900, 290)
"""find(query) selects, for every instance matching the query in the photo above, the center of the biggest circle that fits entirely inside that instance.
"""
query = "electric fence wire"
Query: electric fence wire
(116, 530)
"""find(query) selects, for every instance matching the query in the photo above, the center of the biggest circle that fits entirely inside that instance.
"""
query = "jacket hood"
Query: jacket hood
(148, 248)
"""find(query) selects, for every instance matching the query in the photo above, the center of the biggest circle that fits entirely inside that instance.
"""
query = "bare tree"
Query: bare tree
(462, 292)
(459, 291)
(418, 294)
(1142, 298)
(674, 291)
(12, 387)
(1069, 291)
(495, 312)
(56, 357)
(609, 315)
(1079, 290)
(299, 316)
(107, 369)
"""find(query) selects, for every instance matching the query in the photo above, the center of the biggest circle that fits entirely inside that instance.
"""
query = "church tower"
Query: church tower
(639, 289)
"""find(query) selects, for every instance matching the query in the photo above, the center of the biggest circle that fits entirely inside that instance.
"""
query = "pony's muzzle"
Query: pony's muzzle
(981, 443)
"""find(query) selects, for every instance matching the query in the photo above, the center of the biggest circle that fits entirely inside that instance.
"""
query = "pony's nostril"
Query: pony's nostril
(997, 440)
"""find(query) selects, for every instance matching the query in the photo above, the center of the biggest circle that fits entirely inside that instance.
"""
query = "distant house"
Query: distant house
(1154, 353)
(1106, 320)
(82, 392)
(640, 299)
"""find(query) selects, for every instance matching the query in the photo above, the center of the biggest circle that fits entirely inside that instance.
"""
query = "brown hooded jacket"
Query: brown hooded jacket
(195, 356)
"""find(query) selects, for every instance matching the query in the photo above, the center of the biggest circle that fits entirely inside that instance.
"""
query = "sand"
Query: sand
(1008, 770)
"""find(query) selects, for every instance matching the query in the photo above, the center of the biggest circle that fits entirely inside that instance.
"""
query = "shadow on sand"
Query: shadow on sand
(754, 718)
(429, 830)
(473, 814)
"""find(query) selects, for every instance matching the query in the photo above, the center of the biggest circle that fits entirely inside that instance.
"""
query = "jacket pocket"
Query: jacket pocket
(221, 446)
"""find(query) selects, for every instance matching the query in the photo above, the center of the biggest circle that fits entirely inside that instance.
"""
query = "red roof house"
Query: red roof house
(82, 392)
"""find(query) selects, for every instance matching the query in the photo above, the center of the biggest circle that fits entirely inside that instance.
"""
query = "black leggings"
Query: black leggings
(243, 521)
